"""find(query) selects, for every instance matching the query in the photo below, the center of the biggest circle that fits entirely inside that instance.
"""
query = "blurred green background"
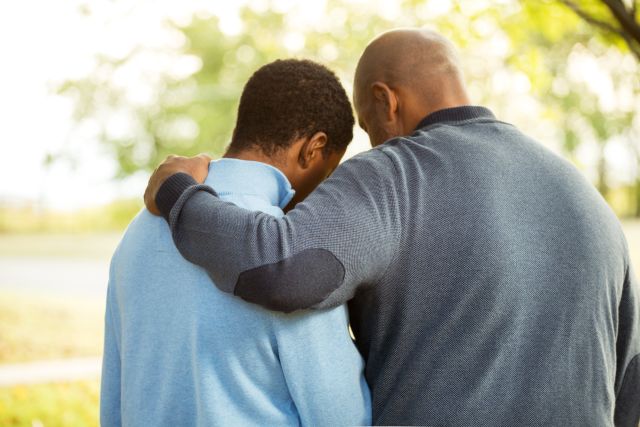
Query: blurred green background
(157, 78)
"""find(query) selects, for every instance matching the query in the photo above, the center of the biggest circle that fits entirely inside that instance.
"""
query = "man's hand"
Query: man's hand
(197, 167)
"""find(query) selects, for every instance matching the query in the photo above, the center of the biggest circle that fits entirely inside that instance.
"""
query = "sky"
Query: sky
(47, 42)
(44, 48)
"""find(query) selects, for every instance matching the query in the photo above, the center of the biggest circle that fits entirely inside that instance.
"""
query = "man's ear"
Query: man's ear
(312, 149)
(385, 97)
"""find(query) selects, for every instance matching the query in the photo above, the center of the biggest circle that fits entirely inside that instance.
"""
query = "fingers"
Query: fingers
(197, 167)
(170, 166)
(205, 157)
(201, 167)
(150, 196)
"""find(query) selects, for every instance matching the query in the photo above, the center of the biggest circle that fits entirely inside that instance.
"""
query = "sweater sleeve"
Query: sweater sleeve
(327, 384)
(345, 234)
(627, 386)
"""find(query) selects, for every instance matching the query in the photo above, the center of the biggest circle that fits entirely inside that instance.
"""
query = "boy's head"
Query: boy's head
(295, 115)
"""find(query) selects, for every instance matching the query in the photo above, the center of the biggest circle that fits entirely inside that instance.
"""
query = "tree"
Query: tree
(616, 20)
(193, 111)
(613, 17)
(557, 40)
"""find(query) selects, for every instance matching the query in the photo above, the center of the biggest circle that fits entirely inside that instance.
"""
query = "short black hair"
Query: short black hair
(290, 99)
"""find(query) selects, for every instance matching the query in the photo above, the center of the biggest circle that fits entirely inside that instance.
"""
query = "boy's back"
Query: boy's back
(180, 352)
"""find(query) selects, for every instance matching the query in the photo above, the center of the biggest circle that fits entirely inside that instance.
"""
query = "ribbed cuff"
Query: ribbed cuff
(170, 192)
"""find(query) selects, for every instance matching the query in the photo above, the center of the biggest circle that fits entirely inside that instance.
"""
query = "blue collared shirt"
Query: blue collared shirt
(180, 352)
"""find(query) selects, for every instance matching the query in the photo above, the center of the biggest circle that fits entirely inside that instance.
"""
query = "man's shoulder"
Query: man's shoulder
(374, 161)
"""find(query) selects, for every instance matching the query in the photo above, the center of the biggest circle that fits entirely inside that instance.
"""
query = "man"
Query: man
(491, 283)
(178, 351)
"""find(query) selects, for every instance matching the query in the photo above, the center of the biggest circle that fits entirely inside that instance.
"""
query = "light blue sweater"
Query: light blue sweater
(180, 352)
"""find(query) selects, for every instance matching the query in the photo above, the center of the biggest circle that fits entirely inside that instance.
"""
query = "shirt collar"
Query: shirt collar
(249, 177)
(456, 114)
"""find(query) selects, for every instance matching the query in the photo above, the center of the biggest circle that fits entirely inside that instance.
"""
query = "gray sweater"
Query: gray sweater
(488, 282)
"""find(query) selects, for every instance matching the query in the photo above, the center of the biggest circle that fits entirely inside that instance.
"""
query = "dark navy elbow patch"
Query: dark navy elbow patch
(297, 282)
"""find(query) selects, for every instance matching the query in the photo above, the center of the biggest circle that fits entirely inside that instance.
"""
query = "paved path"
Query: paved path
(55, 276)
(50, 371)
(65, 277)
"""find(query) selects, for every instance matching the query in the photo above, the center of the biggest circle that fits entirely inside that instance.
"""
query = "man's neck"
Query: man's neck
(447, 94)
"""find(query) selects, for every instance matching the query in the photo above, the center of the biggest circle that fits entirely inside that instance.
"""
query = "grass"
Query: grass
(33, 327)
(51, 405)
(29, 218)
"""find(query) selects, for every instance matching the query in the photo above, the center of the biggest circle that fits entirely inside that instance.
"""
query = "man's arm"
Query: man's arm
(323, 369)
(110, 398)
(345, 233)
(627, 387)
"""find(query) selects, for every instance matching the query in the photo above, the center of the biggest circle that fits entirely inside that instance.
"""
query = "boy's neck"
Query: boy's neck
(254, 156)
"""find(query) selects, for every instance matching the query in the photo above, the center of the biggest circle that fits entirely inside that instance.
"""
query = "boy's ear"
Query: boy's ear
(312, 149)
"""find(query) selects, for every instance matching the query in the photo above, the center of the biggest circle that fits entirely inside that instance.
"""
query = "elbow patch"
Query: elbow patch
(297, 282)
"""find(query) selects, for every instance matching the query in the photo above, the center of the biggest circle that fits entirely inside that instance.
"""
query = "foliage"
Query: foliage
(616, 20)
(195, 113)
(546, 43)
(554, 35)
(52, 405)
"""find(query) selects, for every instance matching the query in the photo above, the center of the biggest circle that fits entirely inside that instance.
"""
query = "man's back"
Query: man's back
(491, 284)
(180, 352)
(505, 297)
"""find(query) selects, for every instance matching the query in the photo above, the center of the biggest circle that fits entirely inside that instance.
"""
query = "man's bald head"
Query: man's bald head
(420, 67)
(411, 57)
